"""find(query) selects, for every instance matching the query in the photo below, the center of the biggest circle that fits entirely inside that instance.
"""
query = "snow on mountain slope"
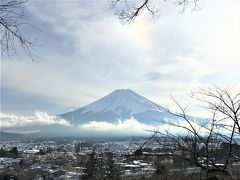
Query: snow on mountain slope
(119, 100)
(120, 104)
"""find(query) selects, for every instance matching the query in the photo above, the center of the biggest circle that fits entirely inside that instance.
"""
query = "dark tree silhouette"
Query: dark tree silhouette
(112, 171)
(101, 166)
(91, 166)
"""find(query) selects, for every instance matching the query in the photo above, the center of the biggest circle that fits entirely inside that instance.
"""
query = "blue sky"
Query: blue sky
(86, 52)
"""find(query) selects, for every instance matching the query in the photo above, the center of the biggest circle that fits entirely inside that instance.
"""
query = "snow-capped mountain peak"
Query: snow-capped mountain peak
(118, 105)
(121, 100)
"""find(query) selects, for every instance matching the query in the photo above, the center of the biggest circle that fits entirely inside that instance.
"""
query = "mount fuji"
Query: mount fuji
(121, 104)
(120, 113)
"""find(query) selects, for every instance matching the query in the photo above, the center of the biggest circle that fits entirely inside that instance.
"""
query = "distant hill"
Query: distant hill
(4, 136)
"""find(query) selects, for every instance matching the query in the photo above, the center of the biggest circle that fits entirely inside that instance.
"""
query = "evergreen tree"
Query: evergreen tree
(14, 151)
(112, 171)
(91, 167)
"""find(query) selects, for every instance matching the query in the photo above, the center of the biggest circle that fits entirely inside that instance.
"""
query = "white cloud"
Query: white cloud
(128, 124)
(134, 125)
(39, 118)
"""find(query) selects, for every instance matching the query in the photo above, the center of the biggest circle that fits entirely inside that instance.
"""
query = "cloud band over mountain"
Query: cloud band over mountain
(130, 124)
(38, 118)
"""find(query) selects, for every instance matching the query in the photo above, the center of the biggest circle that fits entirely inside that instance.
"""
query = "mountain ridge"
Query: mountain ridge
(120, 104)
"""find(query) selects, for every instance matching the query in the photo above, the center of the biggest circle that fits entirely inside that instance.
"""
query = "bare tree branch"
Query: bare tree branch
(12, 18)
(202, 142)
(130, 12)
